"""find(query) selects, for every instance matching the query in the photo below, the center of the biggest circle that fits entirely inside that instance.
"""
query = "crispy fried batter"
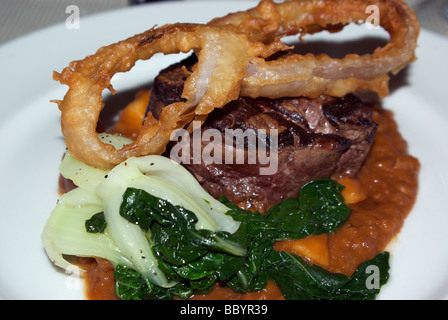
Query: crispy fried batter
(310, 75)
(231, 53)
(223, 57)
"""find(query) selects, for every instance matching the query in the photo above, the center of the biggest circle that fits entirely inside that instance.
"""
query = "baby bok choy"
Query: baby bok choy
(99, 193)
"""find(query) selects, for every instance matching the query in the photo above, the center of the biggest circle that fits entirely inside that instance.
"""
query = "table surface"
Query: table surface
(19, 17)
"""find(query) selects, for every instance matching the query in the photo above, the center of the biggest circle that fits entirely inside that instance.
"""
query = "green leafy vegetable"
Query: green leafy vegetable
(96, 224)
(173, 228)
(133, 286)
(299, 280)
(245, 260)
(320, 208)
(123, 242)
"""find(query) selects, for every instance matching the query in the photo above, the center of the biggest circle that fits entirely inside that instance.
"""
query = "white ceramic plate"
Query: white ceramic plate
(32, 146)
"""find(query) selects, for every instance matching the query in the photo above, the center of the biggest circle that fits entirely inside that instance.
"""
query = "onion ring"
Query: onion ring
(223, 57)
(310, 75)
(231, 53)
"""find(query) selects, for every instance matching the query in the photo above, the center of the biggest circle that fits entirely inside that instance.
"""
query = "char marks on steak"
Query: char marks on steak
(325, 137)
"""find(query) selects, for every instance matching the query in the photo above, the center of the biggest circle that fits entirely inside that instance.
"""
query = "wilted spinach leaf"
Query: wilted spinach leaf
(300, 280)
(244, 260)
(96, 224)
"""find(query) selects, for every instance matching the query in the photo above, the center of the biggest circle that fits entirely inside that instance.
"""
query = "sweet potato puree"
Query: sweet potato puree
(380, 197)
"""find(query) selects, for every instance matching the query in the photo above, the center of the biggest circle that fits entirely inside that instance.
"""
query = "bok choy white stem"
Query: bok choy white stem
(100, 191)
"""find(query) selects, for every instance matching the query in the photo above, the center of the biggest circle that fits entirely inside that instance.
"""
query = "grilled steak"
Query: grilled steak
(315, 138)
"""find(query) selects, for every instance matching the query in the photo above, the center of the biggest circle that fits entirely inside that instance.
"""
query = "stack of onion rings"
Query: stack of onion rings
(232, 54)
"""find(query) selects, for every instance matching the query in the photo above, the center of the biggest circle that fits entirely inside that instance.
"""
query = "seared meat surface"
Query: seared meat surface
(313, 138)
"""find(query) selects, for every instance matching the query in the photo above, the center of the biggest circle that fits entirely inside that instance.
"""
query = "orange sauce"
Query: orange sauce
(380, 197)
(389, 178)
(99, 278)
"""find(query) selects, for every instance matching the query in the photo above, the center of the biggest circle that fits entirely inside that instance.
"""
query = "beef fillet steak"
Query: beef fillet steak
(325, 137)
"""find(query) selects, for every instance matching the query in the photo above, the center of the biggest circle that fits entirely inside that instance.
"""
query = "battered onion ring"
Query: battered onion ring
(231, 53)
(223, 57)
(309, 75)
